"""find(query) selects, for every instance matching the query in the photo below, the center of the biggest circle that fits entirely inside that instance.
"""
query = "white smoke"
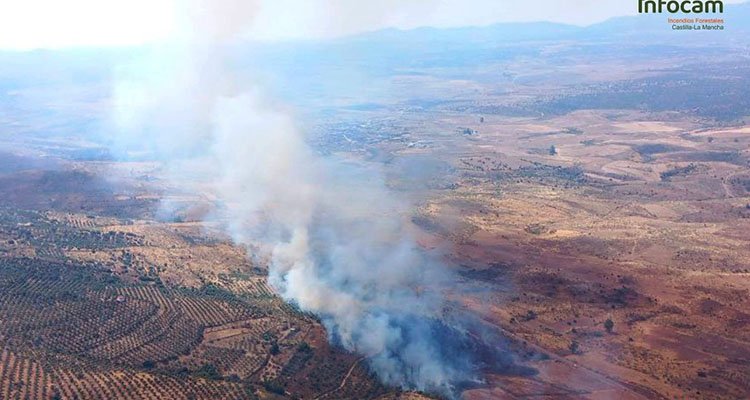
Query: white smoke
(335, 236)
(338, 245)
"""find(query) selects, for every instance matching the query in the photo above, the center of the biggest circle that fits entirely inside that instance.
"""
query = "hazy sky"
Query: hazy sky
(28, 24)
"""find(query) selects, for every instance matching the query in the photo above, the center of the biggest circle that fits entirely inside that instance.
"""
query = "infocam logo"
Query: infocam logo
(686, 6)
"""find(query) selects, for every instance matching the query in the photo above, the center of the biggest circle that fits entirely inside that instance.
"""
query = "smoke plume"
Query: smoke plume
(336, 237)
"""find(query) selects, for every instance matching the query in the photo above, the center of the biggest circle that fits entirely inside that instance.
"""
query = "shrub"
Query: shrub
(208, 371)
(274, 387)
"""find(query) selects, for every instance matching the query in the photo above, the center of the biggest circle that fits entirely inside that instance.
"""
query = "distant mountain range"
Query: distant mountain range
(736, 16)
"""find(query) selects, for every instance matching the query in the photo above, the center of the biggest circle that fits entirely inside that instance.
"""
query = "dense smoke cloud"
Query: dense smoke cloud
(336, 238)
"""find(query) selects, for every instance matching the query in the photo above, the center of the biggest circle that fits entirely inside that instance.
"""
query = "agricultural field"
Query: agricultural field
(88, 310)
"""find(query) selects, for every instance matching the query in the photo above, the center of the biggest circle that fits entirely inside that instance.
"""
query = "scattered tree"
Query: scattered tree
(574, 347)
(609, 325)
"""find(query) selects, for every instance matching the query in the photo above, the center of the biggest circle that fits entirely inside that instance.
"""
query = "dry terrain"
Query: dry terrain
(640, 219)
(590, 194)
